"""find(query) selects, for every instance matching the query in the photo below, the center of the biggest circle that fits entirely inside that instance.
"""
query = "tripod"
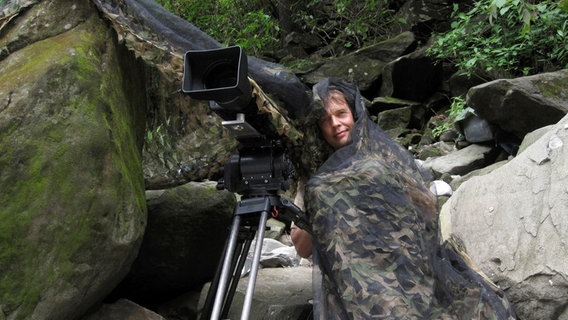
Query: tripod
(243, 229)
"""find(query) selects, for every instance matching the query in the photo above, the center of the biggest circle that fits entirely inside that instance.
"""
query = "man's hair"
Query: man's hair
(336, 90)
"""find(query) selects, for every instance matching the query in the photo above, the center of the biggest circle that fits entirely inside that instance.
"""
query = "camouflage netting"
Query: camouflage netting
(376, 236)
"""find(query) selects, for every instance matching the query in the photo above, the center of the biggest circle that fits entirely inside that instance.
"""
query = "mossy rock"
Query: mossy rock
(71, 184)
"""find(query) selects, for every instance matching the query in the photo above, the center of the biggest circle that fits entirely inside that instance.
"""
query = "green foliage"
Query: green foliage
(158, 136)
(352, 24)
(458, 110)
(563, 5)
(506, 38)
(231, 22)
(253, 25)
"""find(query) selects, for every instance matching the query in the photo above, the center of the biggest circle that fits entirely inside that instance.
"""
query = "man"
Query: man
(375, 239)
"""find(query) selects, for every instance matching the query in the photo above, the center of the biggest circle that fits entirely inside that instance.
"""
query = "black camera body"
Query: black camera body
(257, 170)
(262, 166)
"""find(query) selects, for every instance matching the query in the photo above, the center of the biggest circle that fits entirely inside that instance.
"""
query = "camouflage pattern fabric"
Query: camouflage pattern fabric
(376, 237)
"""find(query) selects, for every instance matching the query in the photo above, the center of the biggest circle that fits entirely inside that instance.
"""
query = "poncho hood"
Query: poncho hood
(367, 137)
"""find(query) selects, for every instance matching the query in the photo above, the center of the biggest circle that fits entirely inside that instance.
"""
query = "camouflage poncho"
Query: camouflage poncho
(376, 240)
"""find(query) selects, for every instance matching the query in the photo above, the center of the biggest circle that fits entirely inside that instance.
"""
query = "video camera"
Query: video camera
(262, 166)
(260, 169)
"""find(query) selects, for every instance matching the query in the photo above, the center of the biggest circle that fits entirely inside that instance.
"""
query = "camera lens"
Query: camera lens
(220, 76)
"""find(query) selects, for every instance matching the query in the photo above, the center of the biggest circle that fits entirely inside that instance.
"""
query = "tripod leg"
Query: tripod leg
(255, 264)
(224, 279)
(238, 265)
(208, 305)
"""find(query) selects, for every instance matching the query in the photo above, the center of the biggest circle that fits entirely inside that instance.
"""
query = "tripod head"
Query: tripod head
(260, 168)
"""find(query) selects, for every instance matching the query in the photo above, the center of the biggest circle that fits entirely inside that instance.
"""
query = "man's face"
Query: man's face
(337, 122)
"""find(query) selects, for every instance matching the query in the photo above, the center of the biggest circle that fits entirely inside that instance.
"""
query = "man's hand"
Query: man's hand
(302, 241)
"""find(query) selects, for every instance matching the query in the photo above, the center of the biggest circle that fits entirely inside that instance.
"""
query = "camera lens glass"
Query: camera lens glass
(220, 75)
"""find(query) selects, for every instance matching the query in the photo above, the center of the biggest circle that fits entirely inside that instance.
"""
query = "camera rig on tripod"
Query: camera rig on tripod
(260, 170)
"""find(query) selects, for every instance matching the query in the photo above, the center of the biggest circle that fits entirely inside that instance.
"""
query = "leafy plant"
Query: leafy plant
(351, 23)
(260, 32)
(158, 136)
(231, 22)
(458, 110)
(563, 5)
(506, 38)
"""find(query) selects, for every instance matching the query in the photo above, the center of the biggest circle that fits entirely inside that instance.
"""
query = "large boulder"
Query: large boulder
(187, 229)
(521, 105)
(513, 223)
(72, 200)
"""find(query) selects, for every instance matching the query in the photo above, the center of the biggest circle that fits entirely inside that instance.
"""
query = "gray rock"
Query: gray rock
(435, 150)
(524, 104)
(440, 188)
(533, 136)
(274, 254)
(395, 118)
(458, 180)
(459, 162)
(280, 256)
(123, 310)
(275, 229)
(364, 66)
(513, 223)
(280, 293)
(476, 129)
(183, 243)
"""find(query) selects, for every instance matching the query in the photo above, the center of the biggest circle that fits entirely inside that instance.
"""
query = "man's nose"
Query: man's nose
(335, 121)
